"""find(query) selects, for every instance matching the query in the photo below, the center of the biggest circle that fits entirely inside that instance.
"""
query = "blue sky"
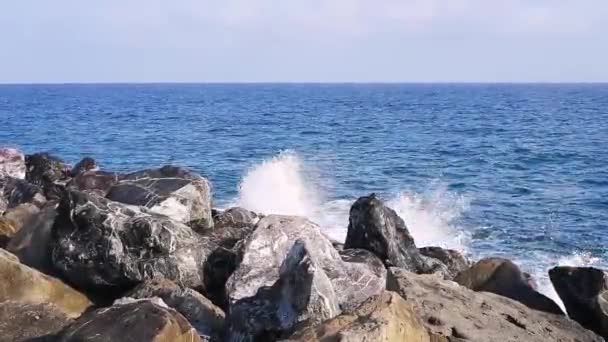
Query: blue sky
(303, 40)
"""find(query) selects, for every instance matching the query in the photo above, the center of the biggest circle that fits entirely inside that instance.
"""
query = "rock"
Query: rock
(170, 191)
(12, 163)
(460, 314)
(97, 182)
(141, 321)
(363, 267)
(235, 218)
(382, 318)
(269, 257)
(454, 261)
(14, 219)
(204, 316)
(107, 246)
(14, 192)
(31, 243)
(7, 230)
(584, 291)
(24, 284)
(44, 169)
(27, 322)
(84, 165)
(503, 277)
(379, 229)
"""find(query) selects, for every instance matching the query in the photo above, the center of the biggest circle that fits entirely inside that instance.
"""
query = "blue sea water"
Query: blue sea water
(511, 170)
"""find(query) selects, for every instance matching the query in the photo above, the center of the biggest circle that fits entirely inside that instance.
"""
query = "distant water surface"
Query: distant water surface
(511, 170)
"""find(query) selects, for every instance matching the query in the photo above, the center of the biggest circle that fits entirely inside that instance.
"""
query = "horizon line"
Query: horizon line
(308, 83)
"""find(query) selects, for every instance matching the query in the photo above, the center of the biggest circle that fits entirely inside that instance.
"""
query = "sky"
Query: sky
(64, 41)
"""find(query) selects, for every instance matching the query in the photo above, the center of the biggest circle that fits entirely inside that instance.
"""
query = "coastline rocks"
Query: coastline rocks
(97, 182)
(366, 274)
(454, 261)
(14, 192)
(382, 318)
(24, 284)
(102, 245)
(460, 314)
(289, 247)
(142, 321)
(27, 322)
(584, 291)
(44, 169)
(235, 218)
(84, 165)
(503, 277)
(378, 228)
(12, 163)
(204, 316)
(174, 192)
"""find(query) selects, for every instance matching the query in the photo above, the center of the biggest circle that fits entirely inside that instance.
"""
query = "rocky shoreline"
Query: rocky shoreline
(96, 255)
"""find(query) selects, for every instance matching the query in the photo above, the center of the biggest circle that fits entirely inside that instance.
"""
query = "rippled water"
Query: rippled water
(511, 170)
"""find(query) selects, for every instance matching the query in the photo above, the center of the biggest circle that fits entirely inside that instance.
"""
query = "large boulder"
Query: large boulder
(141, 321)
(44, 169)
(14, 191)
(454, 261)
(235, 217)
(27, 322)
(24, 284)
(100, 244)
(378, 228)
(383, 318)
(171, 191)
(288, 247)
(84, 165)
(460, 314)
(366, 272)
(503, 277)
(204, 316)
(31, 243)
(12, 163)
(97, 182)
(584, 291)
(14, 219)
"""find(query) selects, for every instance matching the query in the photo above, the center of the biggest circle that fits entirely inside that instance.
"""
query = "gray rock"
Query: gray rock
(584, 291)
(44, 169)
(302, 293)
(12, 163)
(366, 276)
(235, 218)
(100, 244)
(460, 314)
(265, 253)
(378, 228)
(204, 316)
(27, 322)
(454, 261)
(14, 192)
(177, 193)
(141, 321)
(503, 277)
(97, 182)
(84, 165)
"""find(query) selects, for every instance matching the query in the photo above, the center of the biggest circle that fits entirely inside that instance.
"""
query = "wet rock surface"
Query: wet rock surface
(27, 322)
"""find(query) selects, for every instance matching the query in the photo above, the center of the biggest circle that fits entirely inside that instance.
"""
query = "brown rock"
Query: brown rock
(460, 314)
(141, 321)
(22, 283)
(21, 322)
(383, 318)
(503, 277)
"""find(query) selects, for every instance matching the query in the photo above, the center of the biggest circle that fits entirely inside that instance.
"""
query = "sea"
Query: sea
(511, 170)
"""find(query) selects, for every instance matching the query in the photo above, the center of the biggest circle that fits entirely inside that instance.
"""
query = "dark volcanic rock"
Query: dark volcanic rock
(14, 192)
(454, 261)
(98, 182)
(170, 191)
(31, 243)
(268, 258)
(44, 169)
(584, 291)
(204, 316)
(461, 314)
(27, 322)
(84, 165)
(100, 244)
(12, 163)
(378, 228)
(141, 321)
(235, 218)
(503, 277)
